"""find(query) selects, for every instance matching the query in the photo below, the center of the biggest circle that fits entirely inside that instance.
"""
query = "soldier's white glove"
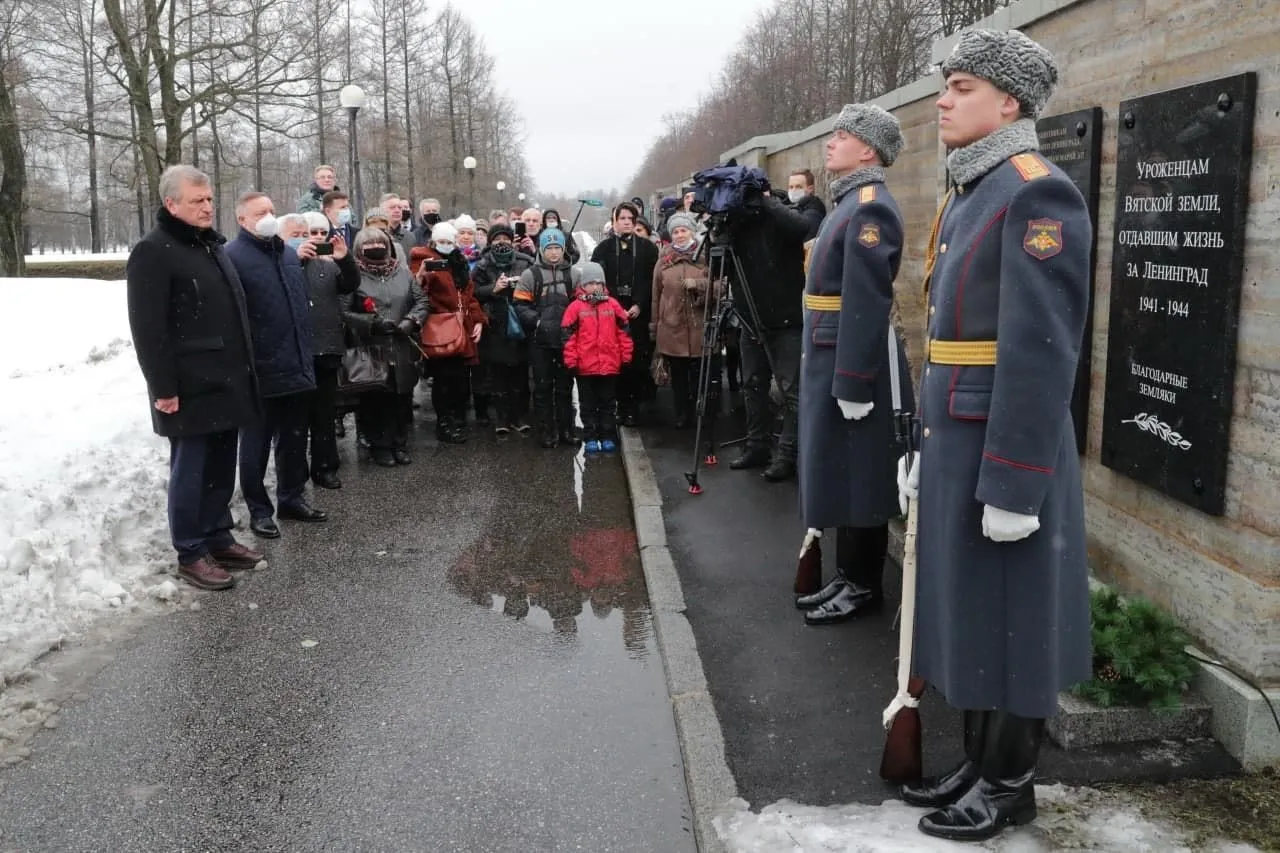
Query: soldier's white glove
(908, 481)
(1000, 525)
(855, 411)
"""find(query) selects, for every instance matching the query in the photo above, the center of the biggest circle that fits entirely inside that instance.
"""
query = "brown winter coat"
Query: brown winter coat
(449, 290)
(677, 310)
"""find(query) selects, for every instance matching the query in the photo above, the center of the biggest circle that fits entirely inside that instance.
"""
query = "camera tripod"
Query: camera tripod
(714, 322)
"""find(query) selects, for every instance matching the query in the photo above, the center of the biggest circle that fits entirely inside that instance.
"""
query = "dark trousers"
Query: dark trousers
(385, 417)
(450, 387)
(552, 391)
(283, 425)
(684, 385)
(598, 400)
(635, 382)
(860, 555)
(786, 346)
(481, 378)
(202, 479)
(510, 384)
(324, 410)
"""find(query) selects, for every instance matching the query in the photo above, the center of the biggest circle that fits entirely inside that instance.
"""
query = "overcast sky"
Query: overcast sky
(620, 65)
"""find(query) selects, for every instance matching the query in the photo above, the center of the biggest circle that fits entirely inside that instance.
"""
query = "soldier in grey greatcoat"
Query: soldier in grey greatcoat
(847, 444)
(1002, 607)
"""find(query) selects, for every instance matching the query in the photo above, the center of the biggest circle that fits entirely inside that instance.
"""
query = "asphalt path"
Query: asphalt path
(461, 659)
(800, 707)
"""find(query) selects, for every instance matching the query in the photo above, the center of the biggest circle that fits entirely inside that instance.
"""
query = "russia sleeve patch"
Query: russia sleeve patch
(869, 236)
(1044, 238)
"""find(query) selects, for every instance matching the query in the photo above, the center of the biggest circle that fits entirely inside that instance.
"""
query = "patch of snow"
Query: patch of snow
(586, 243)
(82, 476)
(63, 257)
(1069, 819)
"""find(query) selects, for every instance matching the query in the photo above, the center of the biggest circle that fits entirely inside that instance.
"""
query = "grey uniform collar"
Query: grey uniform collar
(841, 187)
(971, 162)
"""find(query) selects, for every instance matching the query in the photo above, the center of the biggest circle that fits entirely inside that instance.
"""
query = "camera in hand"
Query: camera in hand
(521, 229)
(325, 248)
(436, 264)
(406, 215)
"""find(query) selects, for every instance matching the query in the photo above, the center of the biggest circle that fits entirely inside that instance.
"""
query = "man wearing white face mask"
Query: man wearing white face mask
(800, 192)
(278, 302)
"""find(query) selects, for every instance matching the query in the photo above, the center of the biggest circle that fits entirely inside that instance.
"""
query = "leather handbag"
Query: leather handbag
(443, 335)
(363, 368)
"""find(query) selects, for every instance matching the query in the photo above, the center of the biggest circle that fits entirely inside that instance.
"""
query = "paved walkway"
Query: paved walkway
(462, 660)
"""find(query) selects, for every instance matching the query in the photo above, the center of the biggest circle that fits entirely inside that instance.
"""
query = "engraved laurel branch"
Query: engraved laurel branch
(1155, 426)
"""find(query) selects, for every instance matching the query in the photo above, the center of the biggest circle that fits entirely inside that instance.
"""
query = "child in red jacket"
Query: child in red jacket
(596, 345)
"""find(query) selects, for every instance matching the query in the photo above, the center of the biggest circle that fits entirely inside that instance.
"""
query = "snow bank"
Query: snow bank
(63, 257)
(82, 476)
(586, 243)
(1070, 819)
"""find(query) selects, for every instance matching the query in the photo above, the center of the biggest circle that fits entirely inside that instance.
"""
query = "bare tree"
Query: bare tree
(13, 182)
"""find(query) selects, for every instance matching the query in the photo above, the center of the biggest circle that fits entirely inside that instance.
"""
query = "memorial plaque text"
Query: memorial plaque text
(1182, 175)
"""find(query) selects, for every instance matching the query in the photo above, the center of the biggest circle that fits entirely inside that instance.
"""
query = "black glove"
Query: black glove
(383, 326)
(407, 326)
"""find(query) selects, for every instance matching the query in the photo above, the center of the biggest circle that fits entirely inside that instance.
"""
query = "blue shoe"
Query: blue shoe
(593, 446)
(608, 446)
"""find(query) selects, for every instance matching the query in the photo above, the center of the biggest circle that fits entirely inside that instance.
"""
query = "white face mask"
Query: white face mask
(267, 227)
(685, 246)
(796, 195)
(444, 248)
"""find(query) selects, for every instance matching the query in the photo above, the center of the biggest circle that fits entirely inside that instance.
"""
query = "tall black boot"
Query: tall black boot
(940, 791)
(1004, 793)
(852, 597)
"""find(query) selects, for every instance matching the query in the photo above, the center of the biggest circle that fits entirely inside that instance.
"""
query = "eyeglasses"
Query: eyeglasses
(319, 232)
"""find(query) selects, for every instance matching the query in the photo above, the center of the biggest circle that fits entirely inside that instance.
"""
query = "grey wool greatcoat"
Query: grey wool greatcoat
(848, 468)
(1004, 625)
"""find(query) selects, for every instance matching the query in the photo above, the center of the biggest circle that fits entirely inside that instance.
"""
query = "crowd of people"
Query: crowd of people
(264, 341)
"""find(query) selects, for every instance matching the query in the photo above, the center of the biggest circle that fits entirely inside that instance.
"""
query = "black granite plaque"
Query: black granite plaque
(1182, 177)
(1073, 141)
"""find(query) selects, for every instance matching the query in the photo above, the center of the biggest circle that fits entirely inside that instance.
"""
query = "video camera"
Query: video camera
(728, 192)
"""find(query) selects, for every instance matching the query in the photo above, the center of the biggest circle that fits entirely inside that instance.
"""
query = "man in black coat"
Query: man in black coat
(280, 322)
(628, 263)
(769, 241)
(191, 335)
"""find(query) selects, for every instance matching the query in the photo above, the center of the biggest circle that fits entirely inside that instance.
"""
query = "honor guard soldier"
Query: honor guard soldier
(1002, 607)
(847, 444)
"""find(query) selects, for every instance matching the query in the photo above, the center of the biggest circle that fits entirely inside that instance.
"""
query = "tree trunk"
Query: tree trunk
(320, 57)
(91, 127)
(191, 84)
(258, 182)
(386, 102)
(13, 184)
(408, 111)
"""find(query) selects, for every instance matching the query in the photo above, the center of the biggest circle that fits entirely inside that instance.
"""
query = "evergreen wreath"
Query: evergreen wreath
(1139, 655)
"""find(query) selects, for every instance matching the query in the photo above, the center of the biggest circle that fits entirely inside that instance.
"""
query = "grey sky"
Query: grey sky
(547, 52)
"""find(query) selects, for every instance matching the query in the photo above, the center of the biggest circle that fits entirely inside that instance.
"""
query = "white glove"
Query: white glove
(855, 411)
(908, 482)
(1000, 525)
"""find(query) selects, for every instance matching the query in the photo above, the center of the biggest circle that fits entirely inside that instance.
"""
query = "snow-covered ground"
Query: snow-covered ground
(82, 476)
(61, 257)
(1070, 819)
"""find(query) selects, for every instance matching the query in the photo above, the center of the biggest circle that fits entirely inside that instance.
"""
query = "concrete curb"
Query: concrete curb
(711, 784)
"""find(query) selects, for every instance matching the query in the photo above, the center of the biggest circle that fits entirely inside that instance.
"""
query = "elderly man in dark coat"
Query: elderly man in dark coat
(1002, 608)
(847, 443)
(280, 320)
(191, 334)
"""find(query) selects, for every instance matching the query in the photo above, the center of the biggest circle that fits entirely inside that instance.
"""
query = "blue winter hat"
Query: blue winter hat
(550, 237)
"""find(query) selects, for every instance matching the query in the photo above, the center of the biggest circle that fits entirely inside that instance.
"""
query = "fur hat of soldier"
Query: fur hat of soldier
(1010, 61)
(875, 126)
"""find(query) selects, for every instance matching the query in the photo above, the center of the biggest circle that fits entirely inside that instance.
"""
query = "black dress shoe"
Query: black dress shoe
(569, 437)
(302, 512)
(401, 457)
(549, 440)
(847, 603)
(326, 480)
(265, 528)
(382, 458)
(449, 436)
(752, 457)
(779, 470)
(822, 596)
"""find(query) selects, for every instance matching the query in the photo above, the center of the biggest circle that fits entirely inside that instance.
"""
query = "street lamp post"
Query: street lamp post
(502, 194)
(469, 163)
(352, 99)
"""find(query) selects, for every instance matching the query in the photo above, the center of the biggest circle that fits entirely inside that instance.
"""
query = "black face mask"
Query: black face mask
(503, 254)
(376, 253)
(432, 219)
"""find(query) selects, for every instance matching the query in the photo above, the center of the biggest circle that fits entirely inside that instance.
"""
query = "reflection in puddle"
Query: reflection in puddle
(551, 580)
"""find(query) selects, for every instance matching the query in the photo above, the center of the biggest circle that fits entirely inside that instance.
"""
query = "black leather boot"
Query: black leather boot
(1004, 793)
(781, 468)
(940, 791)
(752, 457)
